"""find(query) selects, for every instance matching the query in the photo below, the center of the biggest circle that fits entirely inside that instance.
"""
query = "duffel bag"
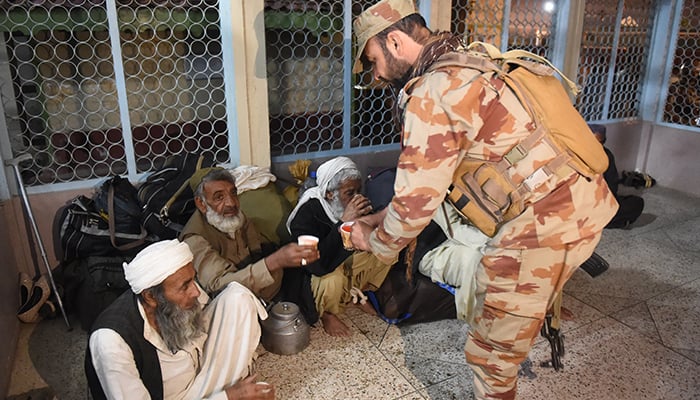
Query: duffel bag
(84, 232)
(168, 201)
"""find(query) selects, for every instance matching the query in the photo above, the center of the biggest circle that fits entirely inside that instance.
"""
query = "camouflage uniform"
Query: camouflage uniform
(452, 113)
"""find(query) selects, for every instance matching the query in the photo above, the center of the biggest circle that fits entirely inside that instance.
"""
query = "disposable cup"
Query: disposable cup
(307, 240)
(346, 233)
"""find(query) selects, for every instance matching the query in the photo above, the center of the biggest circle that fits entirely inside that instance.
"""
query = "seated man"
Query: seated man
(455, 260)
(320, 212)
(448, 251)
(226, 246)
(164, 339)
(631, 206)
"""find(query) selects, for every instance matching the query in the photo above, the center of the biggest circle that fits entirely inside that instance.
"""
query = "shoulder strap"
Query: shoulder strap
(540, 66)
(493, 60)
(185, 184)
(112, 229)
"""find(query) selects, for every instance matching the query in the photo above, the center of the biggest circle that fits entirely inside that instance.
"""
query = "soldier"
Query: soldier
(450, 114)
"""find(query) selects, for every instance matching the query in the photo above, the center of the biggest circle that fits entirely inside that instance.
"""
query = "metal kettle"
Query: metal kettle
(285, 331)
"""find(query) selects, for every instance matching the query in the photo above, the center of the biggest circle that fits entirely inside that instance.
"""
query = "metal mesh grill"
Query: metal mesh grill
(373, 119)
(595, 57)
(530, 23)
(633, 52)
(683, 100)
(60, 91)
(304, 45)
(306, 57)
(478, 21)
(173, 68)
(614, 52)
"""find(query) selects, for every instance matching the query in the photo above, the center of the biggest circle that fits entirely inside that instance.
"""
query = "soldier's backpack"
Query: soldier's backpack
(490, 193)
(168, 201)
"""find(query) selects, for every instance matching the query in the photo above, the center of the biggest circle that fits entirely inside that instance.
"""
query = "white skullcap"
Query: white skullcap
(155, 263)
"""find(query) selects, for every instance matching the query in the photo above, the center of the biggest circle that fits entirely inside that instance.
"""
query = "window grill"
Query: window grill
(530, 23)
(62, 80)
(304, 47)
(613, 58)
(682, 104)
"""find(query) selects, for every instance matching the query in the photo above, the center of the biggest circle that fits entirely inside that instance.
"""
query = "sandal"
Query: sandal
(25, 289)
(29, 311)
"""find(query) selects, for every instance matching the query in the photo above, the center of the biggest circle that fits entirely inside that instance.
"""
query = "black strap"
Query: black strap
(112, 230)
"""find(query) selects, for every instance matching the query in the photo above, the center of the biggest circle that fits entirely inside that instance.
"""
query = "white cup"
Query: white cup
(307, 240)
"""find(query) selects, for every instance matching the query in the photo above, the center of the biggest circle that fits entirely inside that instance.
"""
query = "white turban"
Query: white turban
(324, 174)
(156, 263)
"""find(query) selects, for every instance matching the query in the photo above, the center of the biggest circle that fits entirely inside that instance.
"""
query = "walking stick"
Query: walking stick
(28, 209)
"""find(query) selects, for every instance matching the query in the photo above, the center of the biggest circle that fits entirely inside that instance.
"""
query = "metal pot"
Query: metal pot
(285, 331)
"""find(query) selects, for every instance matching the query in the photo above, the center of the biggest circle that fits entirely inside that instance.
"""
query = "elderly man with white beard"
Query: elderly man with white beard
(339, 273)
(165, 339)
(226, 246)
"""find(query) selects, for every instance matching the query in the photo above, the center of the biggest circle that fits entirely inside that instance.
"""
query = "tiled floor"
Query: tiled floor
(634, 334)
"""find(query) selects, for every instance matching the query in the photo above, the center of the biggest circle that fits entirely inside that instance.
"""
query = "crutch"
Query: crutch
(28, 208)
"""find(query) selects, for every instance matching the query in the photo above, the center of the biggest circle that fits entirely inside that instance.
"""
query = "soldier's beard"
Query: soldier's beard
(178, 327)
(398, 71)
(228, 225)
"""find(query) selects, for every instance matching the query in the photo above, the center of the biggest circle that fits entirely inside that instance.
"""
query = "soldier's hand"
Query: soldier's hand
(373, 220)
(360, 235)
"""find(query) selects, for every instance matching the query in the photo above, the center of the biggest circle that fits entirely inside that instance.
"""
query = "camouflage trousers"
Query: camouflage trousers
(515, 288)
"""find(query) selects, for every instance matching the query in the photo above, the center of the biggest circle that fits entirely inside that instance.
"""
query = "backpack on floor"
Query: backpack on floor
(168, 201)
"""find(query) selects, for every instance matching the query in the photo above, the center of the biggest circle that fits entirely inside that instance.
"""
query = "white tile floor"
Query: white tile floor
(634, 334)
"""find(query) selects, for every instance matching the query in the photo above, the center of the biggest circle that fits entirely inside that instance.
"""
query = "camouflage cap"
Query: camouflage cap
(377, 18)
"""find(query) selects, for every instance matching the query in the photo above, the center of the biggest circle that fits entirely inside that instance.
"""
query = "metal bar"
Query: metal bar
(505, 26)
(229, 56)
(120, 82)
(347, 73)
(665, 37)
(28, 208)
(613, 60)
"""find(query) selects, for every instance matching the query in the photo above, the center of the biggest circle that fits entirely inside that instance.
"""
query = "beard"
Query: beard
(398, 71)
(178, 327)
(337, 207)
(227, 225)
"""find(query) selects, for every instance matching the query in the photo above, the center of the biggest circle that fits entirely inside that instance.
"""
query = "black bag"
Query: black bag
(92, 284)
(400, 300)
(379, 187)
(124, 209)
(83, 231)
(168, 201)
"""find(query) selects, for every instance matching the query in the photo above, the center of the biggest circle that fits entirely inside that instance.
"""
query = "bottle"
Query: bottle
(309, 182)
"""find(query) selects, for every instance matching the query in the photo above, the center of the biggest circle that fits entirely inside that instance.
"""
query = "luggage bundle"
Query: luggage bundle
(167, 200)
(94, 236)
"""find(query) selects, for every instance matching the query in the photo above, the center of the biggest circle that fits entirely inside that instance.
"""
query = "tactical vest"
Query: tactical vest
(491, 193)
